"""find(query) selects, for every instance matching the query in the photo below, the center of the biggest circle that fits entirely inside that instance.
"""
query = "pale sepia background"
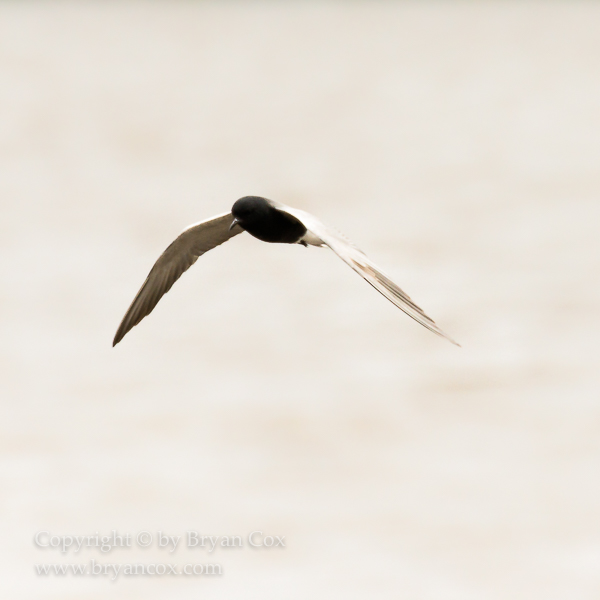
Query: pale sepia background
(458, 144)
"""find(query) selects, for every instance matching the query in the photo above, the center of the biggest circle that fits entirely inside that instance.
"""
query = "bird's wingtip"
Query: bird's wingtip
(452, 341)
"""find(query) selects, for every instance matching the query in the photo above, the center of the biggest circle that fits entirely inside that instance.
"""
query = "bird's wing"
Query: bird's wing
(354, 257)
(175, 260)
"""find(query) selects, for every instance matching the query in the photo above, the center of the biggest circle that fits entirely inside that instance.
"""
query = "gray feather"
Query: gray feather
(172, 263)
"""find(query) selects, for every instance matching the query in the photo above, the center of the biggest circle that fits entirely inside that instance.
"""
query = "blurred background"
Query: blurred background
(456, 143)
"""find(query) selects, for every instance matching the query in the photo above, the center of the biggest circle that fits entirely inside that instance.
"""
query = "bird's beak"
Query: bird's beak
(234, 223)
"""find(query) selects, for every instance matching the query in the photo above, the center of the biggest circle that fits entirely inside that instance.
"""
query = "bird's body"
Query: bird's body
(263, 221)
(267, 221)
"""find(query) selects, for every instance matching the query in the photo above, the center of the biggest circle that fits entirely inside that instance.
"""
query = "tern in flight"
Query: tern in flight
(267, 221)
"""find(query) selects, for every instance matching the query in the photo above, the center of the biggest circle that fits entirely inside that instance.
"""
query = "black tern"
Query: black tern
(268, 221)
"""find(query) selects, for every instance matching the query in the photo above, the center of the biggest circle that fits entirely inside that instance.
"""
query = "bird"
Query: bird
(268, 221)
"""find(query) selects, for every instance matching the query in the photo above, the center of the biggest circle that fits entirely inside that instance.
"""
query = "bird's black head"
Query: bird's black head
(260, 218)
(250, 209)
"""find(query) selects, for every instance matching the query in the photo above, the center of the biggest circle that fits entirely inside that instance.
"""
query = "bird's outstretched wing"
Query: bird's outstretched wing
(354, 257)
(175, 260)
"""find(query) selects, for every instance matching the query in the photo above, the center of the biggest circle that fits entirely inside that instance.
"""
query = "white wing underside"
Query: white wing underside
(368, 270)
